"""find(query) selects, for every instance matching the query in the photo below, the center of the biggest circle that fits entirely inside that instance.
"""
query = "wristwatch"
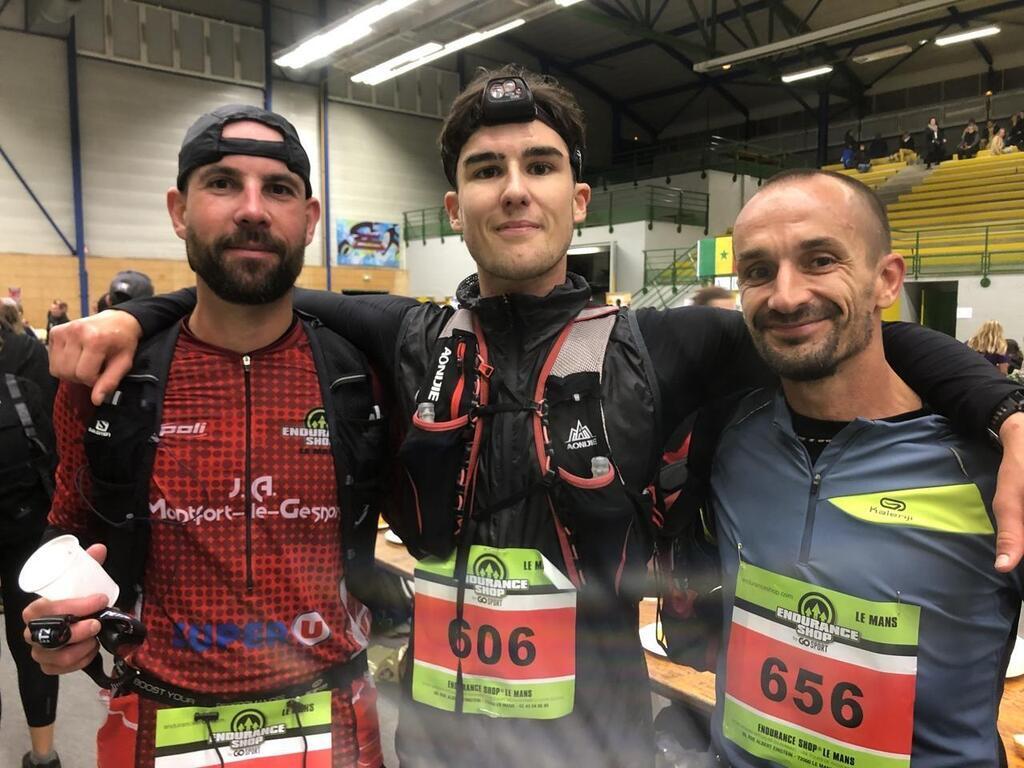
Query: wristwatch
(1011, 404)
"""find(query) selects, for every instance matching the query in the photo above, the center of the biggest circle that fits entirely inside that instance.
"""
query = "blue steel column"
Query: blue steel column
(76, 168)
(325, 165)
(268, 62)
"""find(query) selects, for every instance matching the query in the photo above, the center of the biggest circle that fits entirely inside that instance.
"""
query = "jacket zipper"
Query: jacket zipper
(812, 503)
(247, 483)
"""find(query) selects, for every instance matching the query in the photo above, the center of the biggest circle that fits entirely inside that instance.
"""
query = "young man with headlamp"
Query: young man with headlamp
(536, 424)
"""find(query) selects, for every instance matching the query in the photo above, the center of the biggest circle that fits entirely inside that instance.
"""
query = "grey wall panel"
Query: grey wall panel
(299, 103)
(383, 163)
(132, 123)
(34, 132)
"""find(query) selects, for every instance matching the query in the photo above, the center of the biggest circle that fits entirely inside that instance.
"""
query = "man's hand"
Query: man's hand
(83, 645)
(1008, 504)
(96, 350)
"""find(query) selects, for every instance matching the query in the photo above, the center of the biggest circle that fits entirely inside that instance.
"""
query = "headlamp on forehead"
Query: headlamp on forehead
(509, 99)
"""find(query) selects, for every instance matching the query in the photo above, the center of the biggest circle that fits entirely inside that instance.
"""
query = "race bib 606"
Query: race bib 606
(515, 642)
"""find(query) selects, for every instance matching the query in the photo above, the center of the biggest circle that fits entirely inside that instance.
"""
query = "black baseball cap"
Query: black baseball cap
(204, 144)
(129, 284)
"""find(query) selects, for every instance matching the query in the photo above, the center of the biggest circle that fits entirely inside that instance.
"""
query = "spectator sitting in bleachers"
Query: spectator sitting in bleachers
(1014, 356)
(1016, 135)
(934, 143)
(862, 160)
(998, 145)
(879, 149)
(988, 133)
(849, 158)
(905, 151)
(990, 342)
(849, 142)
(969, 141)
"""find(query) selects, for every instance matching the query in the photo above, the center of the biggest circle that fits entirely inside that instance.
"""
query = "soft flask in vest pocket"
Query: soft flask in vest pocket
(436, 448)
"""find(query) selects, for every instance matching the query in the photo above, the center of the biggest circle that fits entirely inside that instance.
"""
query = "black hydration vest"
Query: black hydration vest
(121, 444)
(27, 457)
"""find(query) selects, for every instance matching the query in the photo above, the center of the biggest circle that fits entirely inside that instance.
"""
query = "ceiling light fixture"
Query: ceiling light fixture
(566, 3)
(331, 39)
(584, 250)
(417, 57)
(792, 77)
(885, 53)
(971, 34)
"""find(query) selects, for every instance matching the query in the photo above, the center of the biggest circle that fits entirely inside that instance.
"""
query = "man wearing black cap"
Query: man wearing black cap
(235, 547)
(129, 284)
(535, 423)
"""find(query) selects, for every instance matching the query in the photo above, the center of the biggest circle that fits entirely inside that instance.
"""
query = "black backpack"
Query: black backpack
(120, 447)
(28, 457)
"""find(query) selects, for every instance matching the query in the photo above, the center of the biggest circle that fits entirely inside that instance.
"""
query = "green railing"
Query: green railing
(972, 250)
(607, 208)
(667, 272)
(672, 158)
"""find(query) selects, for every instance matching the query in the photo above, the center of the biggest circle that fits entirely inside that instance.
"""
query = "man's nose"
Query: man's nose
(252, 208)
(790, 290)
(516, 191)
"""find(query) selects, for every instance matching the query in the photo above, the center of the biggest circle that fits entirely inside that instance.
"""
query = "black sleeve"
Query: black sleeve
(953, 379)
(158, 313)
(371, 322)
(36, 368)
(699, 354)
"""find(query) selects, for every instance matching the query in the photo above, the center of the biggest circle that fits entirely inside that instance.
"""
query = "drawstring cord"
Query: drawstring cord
(206, 718)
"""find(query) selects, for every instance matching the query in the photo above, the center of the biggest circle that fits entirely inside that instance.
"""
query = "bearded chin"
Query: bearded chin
(251, 283)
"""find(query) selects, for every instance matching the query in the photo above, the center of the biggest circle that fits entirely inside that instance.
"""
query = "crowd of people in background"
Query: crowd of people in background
(996, 138)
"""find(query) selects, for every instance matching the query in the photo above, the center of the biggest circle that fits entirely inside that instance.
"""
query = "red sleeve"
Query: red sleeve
(72, 413)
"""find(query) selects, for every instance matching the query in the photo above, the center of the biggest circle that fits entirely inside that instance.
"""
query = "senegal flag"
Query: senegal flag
(714, 257)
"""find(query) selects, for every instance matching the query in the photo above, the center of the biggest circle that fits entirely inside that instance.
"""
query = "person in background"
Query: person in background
(879, 148)
(1014, 355)
(989, 132)
(905, 150)
(934, 143)
(998, 145)
(849, 141)
(862, 160)
(990, 342)
(714, 296)
(56, 315)
(26, 477)
(102, 303)
(129, 284)
(1016, 137)
(970, 140)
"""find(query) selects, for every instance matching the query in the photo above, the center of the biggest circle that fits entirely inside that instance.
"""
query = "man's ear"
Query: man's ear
(580, 201)
(176, 200)
(312, 218)
(891, 271)
(451, 204)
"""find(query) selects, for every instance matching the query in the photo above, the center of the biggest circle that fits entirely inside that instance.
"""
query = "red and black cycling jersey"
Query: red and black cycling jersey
(243, 589)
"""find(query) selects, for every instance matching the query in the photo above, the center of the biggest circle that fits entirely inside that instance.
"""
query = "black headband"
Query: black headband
(204, 143)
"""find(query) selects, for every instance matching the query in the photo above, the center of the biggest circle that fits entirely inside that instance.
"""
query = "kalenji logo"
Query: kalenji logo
(199, 428)
(101, 428)
(310, 629)
(435, 385)
(580, 436)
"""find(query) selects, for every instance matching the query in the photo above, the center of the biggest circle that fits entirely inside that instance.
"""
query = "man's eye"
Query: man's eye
(823, 261)
(220, 182)
(541, 169)
(487, 172)
(755, 274)
(281, 190)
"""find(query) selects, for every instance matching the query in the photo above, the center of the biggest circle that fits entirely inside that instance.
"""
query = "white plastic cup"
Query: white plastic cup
(61, 569)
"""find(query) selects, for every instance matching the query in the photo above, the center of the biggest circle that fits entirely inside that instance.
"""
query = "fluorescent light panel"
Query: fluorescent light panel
(807, 73)
(963, 37)
(885, 53)
(409, 60)
(355, 28)
(584, 250)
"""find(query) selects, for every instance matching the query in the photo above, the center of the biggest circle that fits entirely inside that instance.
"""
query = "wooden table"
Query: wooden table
(697, 689)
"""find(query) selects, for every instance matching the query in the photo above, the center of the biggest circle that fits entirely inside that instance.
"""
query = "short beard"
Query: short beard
(823, 361)
(249, 283)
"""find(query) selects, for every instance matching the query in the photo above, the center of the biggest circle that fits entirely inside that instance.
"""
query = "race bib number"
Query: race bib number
(265, 734)
(515, 642)
(818, 678)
